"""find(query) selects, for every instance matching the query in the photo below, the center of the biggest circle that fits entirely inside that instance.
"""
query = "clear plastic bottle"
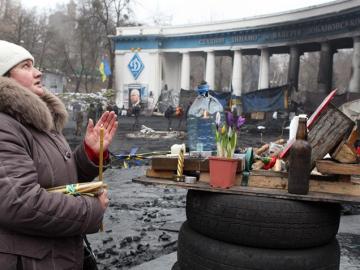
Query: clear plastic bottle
(201, 121)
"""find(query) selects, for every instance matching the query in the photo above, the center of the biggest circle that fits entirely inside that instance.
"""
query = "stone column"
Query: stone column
(210, 69)
(325, 68)
(264, 69)
(185, 71)
(237, 73)
(294, 65)
(354, 85)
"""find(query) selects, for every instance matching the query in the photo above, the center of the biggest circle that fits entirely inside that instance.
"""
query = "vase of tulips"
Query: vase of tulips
(223, 166)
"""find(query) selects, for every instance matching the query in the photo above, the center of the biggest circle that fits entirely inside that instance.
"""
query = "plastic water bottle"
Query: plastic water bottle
(201, 121)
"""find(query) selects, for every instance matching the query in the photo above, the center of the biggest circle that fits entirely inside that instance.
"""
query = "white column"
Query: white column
(154, 65)
(264, 69)
(354, 85)
(119, 78)
(210, 69)
(237, 73)
(156, 89)
(185, 71)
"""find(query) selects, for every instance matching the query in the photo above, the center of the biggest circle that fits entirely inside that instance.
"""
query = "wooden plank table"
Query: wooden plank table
(253, 191)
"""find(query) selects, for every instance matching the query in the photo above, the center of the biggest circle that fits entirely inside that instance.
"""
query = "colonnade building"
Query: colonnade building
(147, 58)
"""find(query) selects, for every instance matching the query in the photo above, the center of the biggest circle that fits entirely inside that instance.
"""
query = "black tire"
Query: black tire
(198, 252)
(175, 266)
(262, 222)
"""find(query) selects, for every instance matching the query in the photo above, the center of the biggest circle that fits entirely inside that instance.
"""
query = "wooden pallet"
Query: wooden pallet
(276, 180)
(280, 192)
(163, 163)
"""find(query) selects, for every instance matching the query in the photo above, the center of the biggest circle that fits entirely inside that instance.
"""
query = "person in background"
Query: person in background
(99, 111)
(91, 112)
(150, 103)
(123, 111)
(79, 123)
(115, 108)
(169, 114)
(109, 107)
(41, 230)
(76, 109)
(135, 106)
(180, 114)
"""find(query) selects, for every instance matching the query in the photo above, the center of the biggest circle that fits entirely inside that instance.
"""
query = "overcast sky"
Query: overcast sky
(198, 11)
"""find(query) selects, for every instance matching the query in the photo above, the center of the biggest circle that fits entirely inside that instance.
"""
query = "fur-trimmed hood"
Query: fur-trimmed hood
(45, 113)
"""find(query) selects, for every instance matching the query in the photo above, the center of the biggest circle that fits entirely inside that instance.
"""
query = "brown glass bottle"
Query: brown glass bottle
(300, 161)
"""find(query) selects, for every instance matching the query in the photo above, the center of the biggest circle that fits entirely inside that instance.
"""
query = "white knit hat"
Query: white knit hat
(11, 55)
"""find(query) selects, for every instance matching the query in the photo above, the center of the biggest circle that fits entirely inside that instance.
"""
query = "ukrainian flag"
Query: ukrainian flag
(104, 69)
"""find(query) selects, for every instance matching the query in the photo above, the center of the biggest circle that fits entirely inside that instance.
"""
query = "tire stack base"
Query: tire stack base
(225, 231)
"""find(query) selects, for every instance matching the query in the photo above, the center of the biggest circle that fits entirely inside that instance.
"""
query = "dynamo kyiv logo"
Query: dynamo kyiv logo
(136, 66)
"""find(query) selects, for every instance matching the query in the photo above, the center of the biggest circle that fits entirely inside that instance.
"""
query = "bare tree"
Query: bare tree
(250, 72)
(309, 67)
(342, 70)
(279, 64)
(223, 73)
(111, 14)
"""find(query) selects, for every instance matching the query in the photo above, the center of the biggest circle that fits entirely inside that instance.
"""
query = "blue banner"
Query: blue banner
(266, 100)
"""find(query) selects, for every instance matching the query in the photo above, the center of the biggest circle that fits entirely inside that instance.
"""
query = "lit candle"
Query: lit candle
(101, 153)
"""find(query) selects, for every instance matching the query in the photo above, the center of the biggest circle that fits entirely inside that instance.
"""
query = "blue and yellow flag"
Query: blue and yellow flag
(104, 69)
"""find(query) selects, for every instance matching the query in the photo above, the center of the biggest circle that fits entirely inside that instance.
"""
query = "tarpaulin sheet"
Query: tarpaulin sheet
(222, 97)
(188, 96)
(266, 100)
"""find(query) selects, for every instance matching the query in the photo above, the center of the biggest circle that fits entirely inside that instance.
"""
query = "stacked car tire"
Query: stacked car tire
(227, 231)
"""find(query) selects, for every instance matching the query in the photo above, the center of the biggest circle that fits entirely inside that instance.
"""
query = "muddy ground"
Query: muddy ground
(142, 221)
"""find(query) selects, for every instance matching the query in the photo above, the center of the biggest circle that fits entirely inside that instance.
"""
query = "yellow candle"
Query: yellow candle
(180, 165)
(101, 153)
(101, 162)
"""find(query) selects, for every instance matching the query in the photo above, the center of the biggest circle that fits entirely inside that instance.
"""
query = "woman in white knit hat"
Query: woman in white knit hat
(38, 229)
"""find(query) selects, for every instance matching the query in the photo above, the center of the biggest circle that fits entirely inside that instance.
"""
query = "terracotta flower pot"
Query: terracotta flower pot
(222, 171)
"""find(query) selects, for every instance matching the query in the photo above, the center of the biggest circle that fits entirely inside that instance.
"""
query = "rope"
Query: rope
(71, 189)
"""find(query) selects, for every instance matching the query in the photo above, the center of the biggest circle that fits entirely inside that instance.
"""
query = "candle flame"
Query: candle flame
(206, 114)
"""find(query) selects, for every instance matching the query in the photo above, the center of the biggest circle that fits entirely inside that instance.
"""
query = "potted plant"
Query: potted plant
(223, 166)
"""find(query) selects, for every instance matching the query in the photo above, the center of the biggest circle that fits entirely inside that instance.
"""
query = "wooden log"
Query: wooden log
(280, 141)
(257, 165)
(332, 167)
(346, 152)
(262, 149)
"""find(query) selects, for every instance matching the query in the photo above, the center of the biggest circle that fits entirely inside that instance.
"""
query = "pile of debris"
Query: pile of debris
(149, 133)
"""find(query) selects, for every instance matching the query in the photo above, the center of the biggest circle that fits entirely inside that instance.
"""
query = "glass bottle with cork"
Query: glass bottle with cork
(300, 161)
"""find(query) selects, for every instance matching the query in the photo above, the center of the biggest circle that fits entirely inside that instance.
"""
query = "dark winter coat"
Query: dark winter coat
(38, 229)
